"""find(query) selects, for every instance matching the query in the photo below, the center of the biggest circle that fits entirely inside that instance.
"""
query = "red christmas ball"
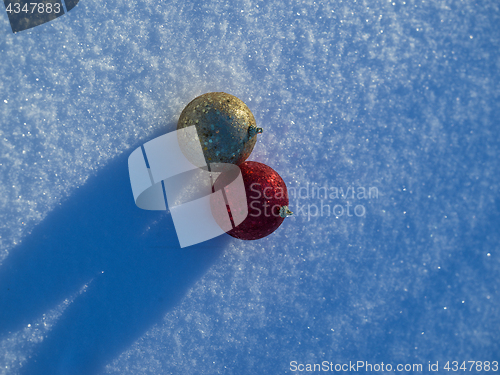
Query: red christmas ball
(267, 201)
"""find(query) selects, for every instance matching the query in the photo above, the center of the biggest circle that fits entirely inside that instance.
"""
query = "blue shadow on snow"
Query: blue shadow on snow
(130, 259)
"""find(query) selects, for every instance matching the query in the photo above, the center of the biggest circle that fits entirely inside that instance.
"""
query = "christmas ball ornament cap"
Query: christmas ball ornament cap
(253, 131)
(285, 212)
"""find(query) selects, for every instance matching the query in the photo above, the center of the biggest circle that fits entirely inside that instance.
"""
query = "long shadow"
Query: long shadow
(132, 258)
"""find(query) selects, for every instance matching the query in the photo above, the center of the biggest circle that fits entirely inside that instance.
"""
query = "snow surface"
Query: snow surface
(401, 97)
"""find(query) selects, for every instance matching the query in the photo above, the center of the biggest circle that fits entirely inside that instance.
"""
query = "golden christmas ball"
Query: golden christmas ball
(226, 127)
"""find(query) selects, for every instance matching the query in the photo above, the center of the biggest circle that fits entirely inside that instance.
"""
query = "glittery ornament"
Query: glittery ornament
(267, 201)
(226, 128)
